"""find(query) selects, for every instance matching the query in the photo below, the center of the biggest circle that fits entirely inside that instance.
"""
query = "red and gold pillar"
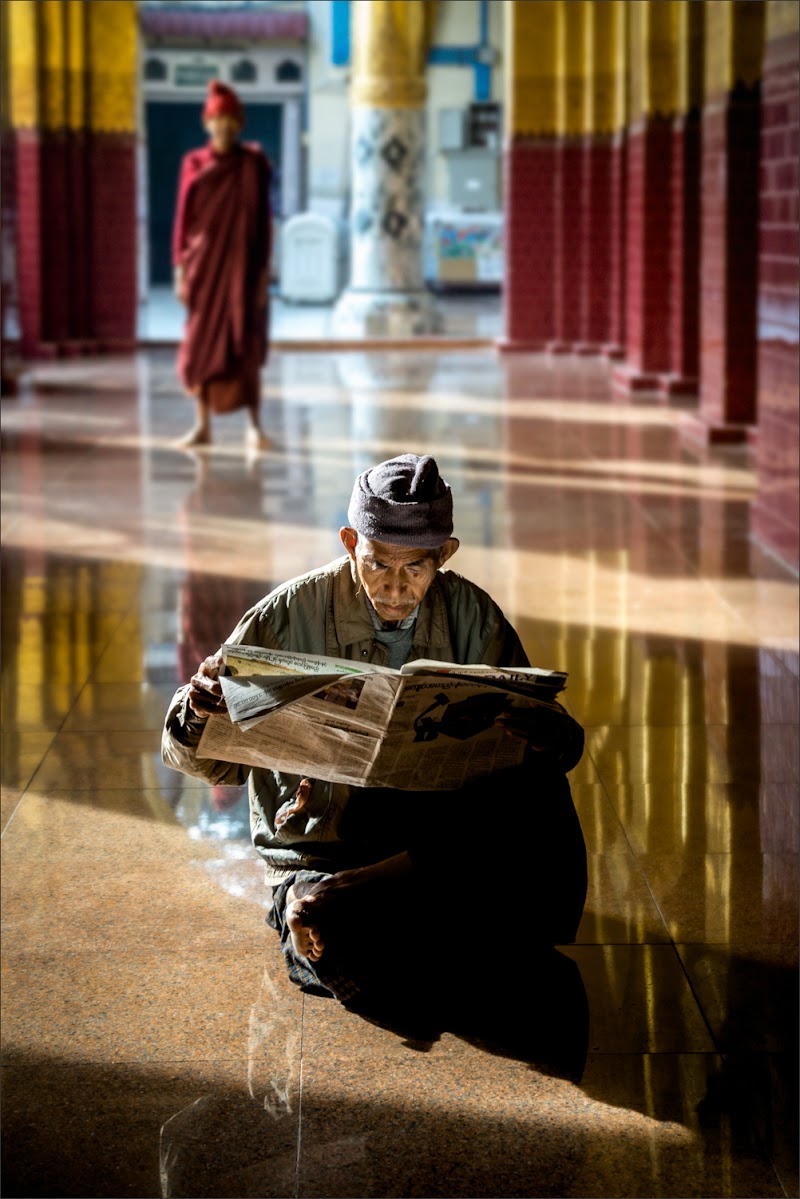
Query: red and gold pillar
(682, 375)
(734, 41)
(72, 71)
(530, 174)
(653, 35)
(568, 273)
(112, 42)
(602, 226)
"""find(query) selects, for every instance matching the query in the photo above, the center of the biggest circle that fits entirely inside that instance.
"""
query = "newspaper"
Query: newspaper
(429, 726)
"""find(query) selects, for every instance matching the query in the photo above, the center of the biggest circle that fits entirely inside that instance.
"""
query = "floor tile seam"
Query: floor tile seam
(300, 1096)
(620, 822)
(14, 810)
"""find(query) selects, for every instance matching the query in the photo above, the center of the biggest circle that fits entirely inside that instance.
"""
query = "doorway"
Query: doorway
(174, 128)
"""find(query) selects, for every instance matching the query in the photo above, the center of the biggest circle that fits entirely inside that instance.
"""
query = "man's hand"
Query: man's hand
(205, 689)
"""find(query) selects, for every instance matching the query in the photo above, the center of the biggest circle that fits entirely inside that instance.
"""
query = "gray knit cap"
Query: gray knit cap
(404, 501)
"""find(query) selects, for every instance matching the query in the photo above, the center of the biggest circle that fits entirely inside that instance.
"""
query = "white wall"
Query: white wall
(457, 24)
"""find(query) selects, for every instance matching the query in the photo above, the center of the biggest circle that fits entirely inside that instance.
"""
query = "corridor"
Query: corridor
(152, 1045)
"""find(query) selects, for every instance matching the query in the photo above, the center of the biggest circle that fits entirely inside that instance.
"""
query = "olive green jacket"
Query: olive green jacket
(323, 612)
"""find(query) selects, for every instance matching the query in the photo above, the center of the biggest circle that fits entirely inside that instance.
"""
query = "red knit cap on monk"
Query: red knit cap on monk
(222, 101)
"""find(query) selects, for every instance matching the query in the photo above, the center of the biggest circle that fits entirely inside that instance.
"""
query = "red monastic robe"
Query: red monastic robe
(221, 239)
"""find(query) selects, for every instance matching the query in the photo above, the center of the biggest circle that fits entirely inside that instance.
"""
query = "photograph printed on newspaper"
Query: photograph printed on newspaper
(429, 726)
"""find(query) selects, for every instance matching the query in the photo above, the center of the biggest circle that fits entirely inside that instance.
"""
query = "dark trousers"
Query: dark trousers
(498, 865)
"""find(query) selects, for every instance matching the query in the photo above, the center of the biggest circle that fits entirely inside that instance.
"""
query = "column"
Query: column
(734, 41)
(291, 169)
(529, 168)
(387, 294)
(682, 375)
(112, 40)
(71, 65)
(570, 175)
(653, 80)
(603, 116)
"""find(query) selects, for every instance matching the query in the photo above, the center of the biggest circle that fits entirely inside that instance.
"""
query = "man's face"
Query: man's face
(395, 577)
(223, 131)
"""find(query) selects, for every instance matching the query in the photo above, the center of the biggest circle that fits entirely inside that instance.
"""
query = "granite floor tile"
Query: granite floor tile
(749, 1001)
(128, 907)
(38, 707)
(154, 1042)
(639, 1000)
(737, 900)
(145, 1006)
(143, 1129)
(21, 756)
(95, 761)
(619, 905)
(694, 818)
(602, 830)
(415, 1131)
(9, 801)
(119, 706)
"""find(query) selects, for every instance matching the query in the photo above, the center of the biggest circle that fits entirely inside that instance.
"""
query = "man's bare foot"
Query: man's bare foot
(196, 436)
(256, 441)
(306, 938)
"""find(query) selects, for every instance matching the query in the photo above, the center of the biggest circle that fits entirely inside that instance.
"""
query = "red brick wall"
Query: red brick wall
(29, 240)
(112, 175)
(56, 215)
(598, 243)
(76, 241)
(775, 516)
(728, 259)
(619, 242)
(648, 245)
(685, 243)
(530, 214)
(80, 320)
(568, 269)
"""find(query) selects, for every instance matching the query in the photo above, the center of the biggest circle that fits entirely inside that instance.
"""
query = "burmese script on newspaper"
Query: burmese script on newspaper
(426, 727)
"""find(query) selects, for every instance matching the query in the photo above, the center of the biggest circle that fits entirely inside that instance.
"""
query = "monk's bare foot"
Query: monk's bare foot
(306, 937)
(256, 441)
(195, 437)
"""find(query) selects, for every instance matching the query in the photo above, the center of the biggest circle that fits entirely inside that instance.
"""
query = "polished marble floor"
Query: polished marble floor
(462, 314)
(151, 1043)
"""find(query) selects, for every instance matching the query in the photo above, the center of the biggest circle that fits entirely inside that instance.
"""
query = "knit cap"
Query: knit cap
(404, 501)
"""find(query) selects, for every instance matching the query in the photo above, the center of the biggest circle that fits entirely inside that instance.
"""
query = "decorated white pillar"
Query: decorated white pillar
(387, 294)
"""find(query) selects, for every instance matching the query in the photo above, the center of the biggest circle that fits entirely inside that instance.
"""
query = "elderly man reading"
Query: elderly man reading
(369, 882)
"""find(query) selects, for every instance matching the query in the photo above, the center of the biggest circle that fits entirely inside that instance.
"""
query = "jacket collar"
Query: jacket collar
(352, 621)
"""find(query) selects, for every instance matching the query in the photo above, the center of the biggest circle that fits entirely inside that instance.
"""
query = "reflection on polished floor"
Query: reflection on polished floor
(151, 1043)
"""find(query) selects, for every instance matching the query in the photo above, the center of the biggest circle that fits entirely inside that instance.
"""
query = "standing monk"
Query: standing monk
(220, 250)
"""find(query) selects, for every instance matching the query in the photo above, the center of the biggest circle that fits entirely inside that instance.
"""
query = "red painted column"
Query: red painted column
(617, 275)
(79, 261)
(777, 507)
(112, 242)
(528, 245)
(597, 245)
(30, 247)
(56, 214)
(648, 228)
(728, 266)
(568, 266)
(682, 378)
